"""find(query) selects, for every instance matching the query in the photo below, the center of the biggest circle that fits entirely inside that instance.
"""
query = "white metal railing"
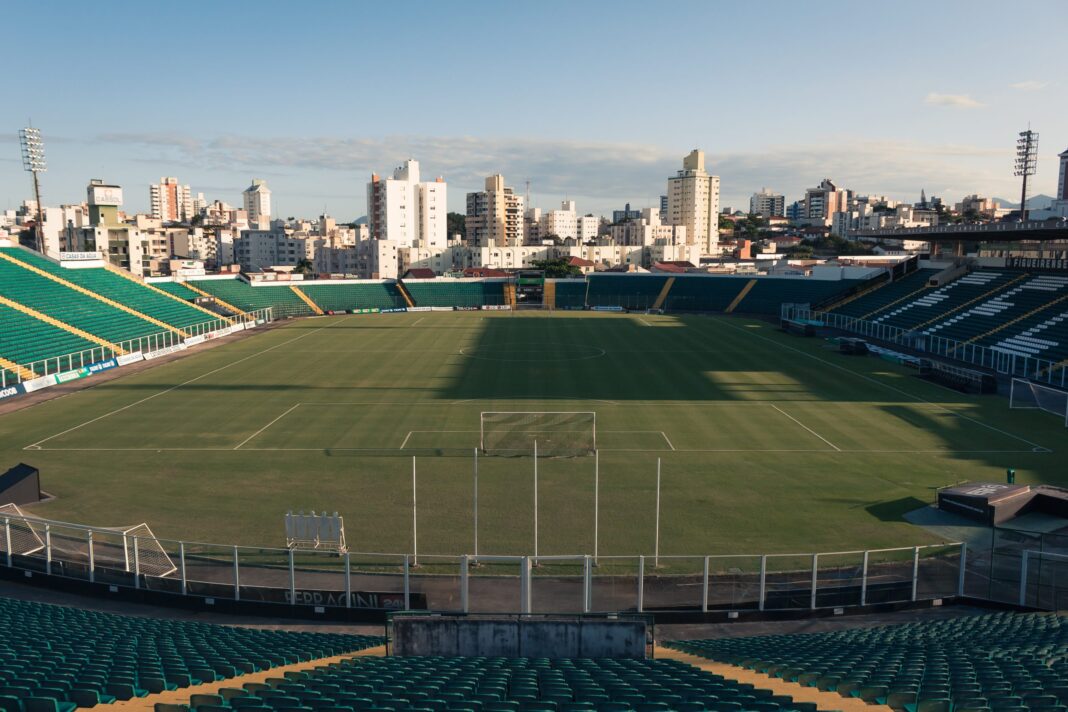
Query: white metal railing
(151, 342)
(1003, 362)
(554, 583)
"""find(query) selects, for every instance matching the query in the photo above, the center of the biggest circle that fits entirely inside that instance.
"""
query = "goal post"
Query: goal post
(557, 433)
(1028, 395)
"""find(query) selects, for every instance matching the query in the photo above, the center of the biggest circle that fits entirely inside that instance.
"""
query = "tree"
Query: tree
(304, 266)
(725, 223)
(456, 223)
(557, 268)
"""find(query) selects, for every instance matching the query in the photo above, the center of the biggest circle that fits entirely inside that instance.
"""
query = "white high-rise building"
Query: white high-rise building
(495, 215)
(258, 204)
(563, 222)
(693, 201)
(170, 201)
(767, 204)
(406, 211)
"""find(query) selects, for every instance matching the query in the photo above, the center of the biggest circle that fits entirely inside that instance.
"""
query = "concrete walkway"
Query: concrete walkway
(824, 700)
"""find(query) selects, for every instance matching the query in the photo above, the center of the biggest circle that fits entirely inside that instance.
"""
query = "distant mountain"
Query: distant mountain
(1035, 202)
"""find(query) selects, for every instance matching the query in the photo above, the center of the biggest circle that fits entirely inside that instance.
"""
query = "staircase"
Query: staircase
(61, 325)
(89, 293)
(405, 293)
(307, 300)
(137, 280)
(548, 294)
(23, 373)
(220, 302)
(509, 295)
(741, 295)
(660, 298)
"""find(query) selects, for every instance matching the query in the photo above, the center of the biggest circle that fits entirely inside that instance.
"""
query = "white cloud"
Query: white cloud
(959, 101)
(1029, 85)
(599, 176)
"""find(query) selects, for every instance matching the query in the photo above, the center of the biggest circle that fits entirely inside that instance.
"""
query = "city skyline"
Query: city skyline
(609, 124)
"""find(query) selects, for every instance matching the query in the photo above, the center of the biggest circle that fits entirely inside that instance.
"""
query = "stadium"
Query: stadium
(530, 480)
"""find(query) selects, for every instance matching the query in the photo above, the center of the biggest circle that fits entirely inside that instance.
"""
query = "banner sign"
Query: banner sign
(440, 308)
(419, 309)
(390, 601)
(37, 384)
(1050, 264)
(12, 390)
(127, 359)
(63, 256)
(101, 366)
(466, 308)
(496, 307)
(394, 310)
(239, 326)
(67, 376)
(373, 310)
(164, 352)
(607, 309)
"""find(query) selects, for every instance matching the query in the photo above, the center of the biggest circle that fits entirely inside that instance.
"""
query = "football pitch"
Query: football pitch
(768, 443)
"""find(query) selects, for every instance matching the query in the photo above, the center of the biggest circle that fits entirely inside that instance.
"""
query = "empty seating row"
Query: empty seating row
(71, 307)
(77, 657)
(479, 684)
(938, 303)
(455, 293)
(178, 289)
(1005, 661)
(769, 294)
(347, 296)
(630, 291)
(121, 289)
(703, 293)
(1018, 300)
(279, 297)
(570, 293)
(869, 305)
(25, 339)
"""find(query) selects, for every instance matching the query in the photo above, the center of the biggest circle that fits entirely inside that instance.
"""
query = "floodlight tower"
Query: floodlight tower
(33, 160)
(1026, 164)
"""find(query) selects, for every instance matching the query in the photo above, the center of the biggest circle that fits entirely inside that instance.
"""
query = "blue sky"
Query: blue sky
(595, 101)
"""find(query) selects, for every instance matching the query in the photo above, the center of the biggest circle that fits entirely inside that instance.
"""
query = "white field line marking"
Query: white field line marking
(667, 440)
(417, 321)
(806, 427)
(644, 321)
(885, 385)
(289, 410)
(186, 383)
(406, 439)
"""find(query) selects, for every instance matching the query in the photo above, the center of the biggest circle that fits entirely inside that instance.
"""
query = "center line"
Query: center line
(806, 427)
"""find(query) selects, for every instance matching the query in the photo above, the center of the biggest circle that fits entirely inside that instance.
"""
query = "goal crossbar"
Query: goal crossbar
(551, 433)
(1028, 395)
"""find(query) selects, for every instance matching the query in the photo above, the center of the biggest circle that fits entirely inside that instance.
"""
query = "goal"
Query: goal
(555, 434)
(1035, 396)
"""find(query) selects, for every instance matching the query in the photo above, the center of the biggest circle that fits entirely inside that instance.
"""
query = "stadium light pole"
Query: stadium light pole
(415, 519)
(656, 545)
(1026, 164)
(33, 161)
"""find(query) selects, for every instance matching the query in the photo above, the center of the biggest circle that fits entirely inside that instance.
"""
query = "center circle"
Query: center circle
(539, 352)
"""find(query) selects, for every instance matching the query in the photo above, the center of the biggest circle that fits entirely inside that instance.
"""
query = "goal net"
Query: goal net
(555, 434)
(1035, 396)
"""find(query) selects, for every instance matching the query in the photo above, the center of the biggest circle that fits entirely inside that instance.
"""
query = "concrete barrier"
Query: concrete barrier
(519, 637)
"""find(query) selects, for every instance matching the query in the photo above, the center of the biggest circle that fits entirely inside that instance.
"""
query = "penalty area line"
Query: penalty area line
(288, 410)
(806, 427)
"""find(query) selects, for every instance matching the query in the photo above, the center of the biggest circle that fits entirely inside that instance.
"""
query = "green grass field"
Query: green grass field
(769, 443)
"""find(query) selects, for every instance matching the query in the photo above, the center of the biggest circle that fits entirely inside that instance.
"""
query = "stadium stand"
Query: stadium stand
(507, 685)
(769, 294)
(872, 303)
(25, 339)
(1043, 334)
(1008, 305)
(630, 291)
(243, 295)
(56, 658)
(177, 289)
(124, 289)
(347, 296)
(701, 293)
(1002, 661)
(570, 293)
(70, 307)
(936, 304)
(441, 293)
